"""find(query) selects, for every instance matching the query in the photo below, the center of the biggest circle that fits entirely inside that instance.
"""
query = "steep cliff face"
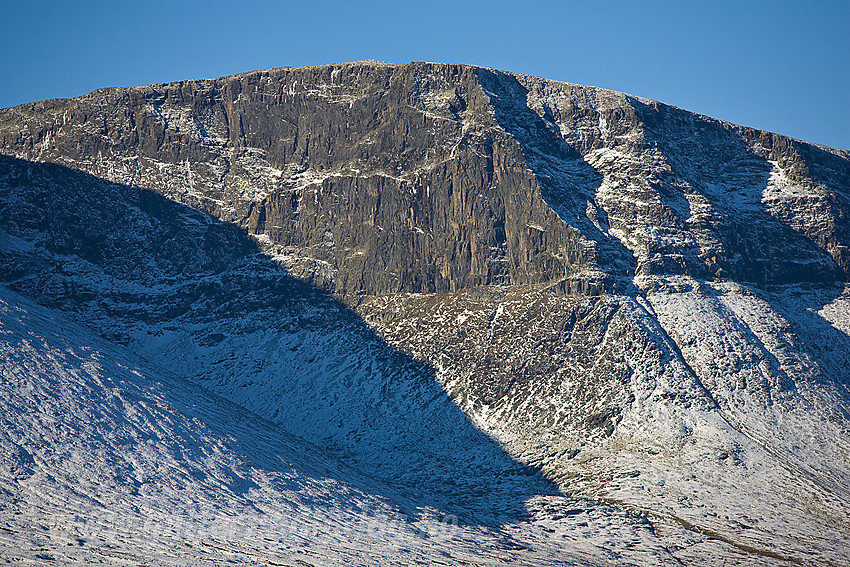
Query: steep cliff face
(374, 178)
(646, 305)
(366, 178)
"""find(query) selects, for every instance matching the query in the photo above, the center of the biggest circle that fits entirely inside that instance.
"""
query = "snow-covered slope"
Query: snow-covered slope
(107, 458)
(562, 315)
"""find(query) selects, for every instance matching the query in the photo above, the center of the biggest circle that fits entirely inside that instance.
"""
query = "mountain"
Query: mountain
(584, 326)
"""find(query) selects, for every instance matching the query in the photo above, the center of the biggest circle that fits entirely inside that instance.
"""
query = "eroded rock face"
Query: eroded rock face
(374, 178)
(645, 304)
(687, 194)
(368, 179)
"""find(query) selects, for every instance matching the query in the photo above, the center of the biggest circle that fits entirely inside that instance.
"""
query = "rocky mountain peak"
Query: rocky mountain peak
(501, 296)
(369, 178)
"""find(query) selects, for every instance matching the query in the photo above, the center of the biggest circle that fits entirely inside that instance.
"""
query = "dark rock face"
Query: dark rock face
(395, 178)
(377, 178)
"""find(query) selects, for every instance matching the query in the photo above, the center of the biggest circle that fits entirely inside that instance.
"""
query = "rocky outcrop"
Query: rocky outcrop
(365, 178)
(688, 194)
(369, 178)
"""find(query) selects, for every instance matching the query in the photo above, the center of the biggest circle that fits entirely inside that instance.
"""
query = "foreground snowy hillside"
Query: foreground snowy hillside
(584, 326)
(109, 459)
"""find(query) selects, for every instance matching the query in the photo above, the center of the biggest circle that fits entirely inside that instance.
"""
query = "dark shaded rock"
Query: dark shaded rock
(397, 178)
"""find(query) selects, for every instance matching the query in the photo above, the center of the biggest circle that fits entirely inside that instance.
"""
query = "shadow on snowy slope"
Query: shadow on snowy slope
(195, 296)
(752, 240)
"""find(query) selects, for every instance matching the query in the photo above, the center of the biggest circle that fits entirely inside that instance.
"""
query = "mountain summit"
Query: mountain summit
(572, 325)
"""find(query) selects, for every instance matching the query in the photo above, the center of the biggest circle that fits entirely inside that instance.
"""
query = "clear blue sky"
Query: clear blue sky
(776, 65)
